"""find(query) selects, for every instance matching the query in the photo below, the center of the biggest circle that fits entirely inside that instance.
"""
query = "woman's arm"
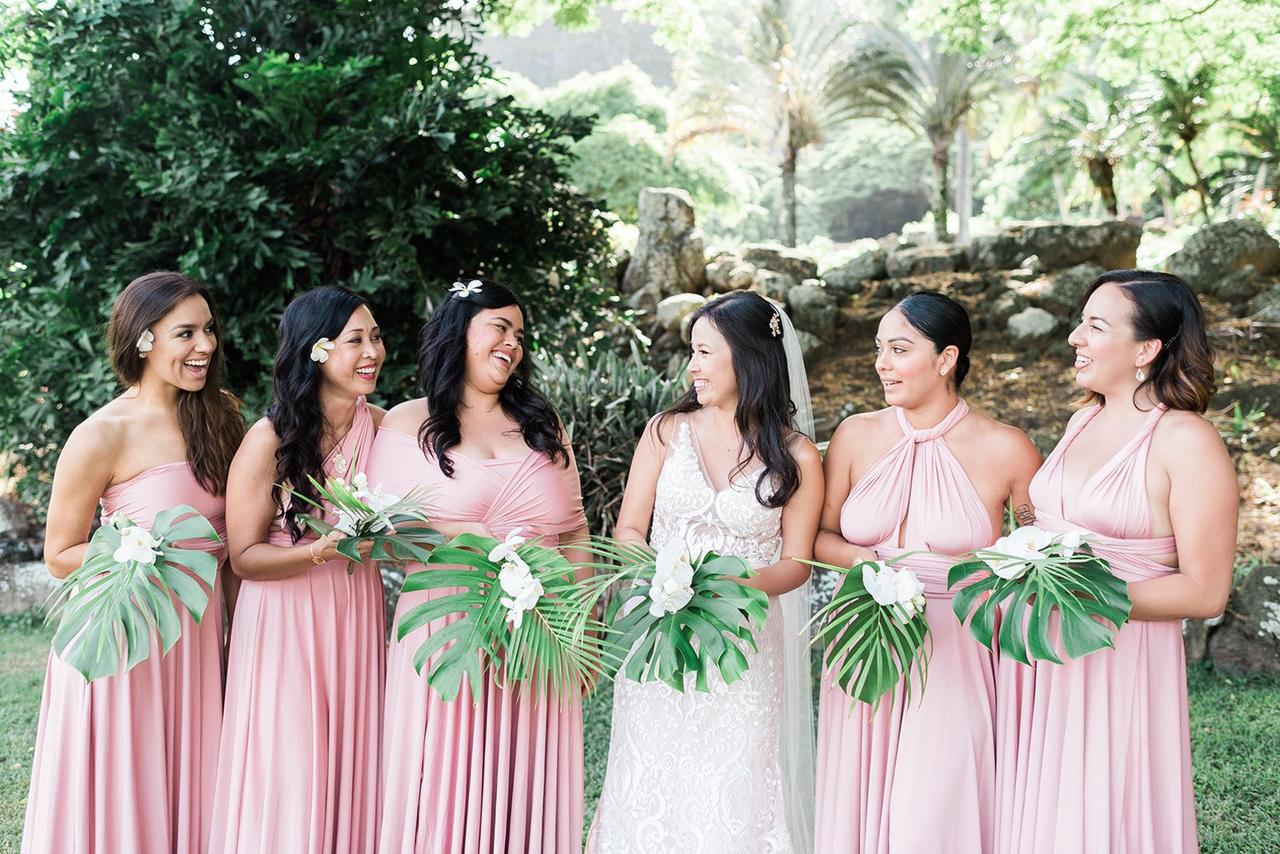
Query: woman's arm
(1204, 505)
(831, 546)
(83, 473)
(642, 486)
(799, 527)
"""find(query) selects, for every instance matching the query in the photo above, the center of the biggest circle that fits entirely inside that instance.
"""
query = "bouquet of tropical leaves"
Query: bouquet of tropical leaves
(121, 598)
(1037, 572)
(516, 615)
(697, 616)
(873, 629)
(397, 526)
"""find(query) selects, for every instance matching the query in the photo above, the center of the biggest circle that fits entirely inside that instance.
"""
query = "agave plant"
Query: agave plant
(121, 599)
(515, 617)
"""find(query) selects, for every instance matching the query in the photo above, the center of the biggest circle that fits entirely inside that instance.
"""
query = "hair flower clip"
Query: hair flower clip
(775, 325)
(145, 341)
(463, 291)
(320, 350)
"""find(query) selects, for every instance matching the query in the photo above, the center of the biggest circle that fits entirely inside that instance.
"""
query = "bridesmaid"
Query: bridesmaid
(298, 768)
(127, 763)
(504, 775)
(927, 473)
(1094, 754)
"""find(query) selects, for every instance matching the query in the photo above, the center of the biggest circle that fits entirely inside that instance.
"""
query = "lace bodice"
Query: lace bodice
(730, 521)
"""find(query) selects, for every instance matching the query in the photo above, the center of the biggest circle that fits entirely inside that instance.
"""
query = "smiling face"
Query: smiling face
(182, 346)
(1107, 355)
(495, 347)
(354, 362)
(908, 364)
(711, 366)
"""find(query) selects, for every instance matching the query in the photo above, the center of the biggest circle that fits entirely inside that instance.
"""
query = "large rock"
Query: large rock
(1265, 307)
(1111, 245)
(669, 257)
(1214, 252)
(1031, 322)
(781, 259)
(813, 309)
(24, 587)
(772, 284)
(849, 276)
(1062, 290)
(1248, 640)
(674, 309)
(922, 260)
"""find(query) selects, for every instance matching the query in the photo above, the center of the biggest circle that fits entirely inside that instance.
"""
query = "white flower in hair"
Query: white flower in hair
(146, 341)
(464, 291)
(320, 350)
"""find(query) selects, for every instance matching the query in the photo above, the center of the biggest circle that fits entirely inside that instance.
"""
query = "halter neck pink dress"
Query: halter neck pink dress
(1095, 754)
(298, 771)
(127, 763)
(918, 776)
(503, 776)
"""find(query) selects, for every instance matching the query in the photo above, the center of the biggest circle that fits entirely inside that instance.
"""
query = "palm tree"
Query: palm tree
(1177, 110)
(924, 87)
(775, 71)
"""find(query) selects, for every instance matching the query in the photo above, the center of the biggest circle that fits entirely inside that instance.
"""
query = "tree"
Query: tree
(1177, 111)
(265, 147)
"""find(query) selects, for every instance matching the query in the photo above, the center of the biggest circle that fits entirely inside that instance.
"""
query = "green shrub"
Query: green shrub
(265, 147)
(605, 400)
(621, 90)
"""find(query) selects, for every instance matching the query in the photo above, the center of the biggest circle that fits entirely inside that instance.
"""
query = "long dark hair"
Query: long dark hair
(295, 412)
(209, 419)
(442, 367)
(944, 322)
(764, 413)
(1166, 310)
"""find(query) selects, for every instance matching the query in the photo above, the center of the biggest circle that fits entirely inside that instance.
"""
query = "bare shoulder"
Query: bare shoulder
(100, 436)
(406, 417)
(376, 414)
(805, 452)
(864, 425)
(661, 429)
(1188, 438)
(998, 437)
(260, 438)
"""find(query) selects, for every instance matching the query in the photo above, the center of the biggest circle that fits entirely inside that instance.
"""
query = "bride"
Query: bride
(729, 468)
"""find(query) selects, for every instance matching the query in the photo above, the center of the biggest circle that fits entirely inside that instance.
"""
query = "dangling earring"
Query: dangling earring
(1140, 375)
(942, 373)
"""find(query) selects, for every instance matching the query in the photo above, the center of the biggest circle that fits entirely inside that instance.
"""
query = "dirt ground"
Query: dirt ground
(1032, 387)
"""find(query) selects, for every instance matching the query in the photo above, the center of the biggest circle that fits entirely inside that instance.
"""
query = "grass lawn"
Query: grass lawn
(1235, 734)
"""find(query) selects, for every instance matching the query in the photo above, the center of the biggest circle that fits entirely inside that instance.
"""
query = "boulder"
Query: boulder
(24, 587)
(1265, 307)
(1063, 290)
(742, 276)
(1240, 286)
(849, 276)
(15, 521)
(772, 284)
(922, 260)
(669, 257)
(1031, 322)
(1248, 639)
(1221, 248)
(718, 272)
(674, 309)
(811, 346)
(813, 309)
(781, 259)
(1056, 246)
(998, 311)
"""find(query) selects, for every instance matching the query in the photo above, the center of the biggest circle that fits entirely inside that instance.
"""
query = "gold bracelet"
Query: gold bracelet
(316, 560)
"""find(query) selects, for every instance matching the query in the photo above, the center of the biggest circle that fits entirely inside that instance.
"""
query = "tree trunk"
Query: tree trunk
(964, 185)
(1195, 171)
(1103, 176)
(1060, 196)
(941, 162)
(787, 216)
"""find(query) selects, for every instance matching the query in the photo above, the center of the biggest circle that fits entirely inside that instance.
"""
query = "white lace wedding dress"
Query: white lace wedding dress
(699, 773)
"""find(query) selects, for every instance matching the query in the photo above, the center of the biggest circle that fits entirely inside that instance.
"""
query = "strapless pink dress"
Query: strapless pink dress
(127, 763)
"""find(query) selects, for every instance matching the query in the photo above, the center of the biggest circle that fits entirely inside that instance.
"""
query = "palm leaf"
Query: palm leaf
(868, 648)
(1080, 588)
(110, 614)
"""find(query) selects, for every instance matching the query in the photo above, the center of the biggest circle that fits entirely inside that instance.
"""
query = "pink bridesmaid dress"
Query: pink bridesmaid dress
(914, 776)
(1095, 754)
(127, 763)
(503, 776)
(298, 770)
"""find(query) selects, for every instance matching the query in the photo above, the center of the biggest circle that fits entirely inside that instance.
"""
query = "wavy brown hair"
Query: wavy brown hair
(209, 418)
(1165, 310)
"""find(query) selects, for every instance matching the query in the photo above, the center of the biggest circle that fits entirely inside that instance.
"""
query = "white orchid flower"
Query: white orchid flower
(1071, 542)
(320, 350)
(878, 579)
(672, 584)
(346, 523)
(137, 545)
(522, 589)
(506, 550)
(146, 341)
(897, 589)
(1009, 557)
(464, 291)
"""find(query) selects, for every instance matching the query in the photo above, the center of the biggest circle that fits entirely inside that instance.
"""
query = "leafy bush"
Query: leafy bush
(265, 147)
(622, 90)
(605, 400)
